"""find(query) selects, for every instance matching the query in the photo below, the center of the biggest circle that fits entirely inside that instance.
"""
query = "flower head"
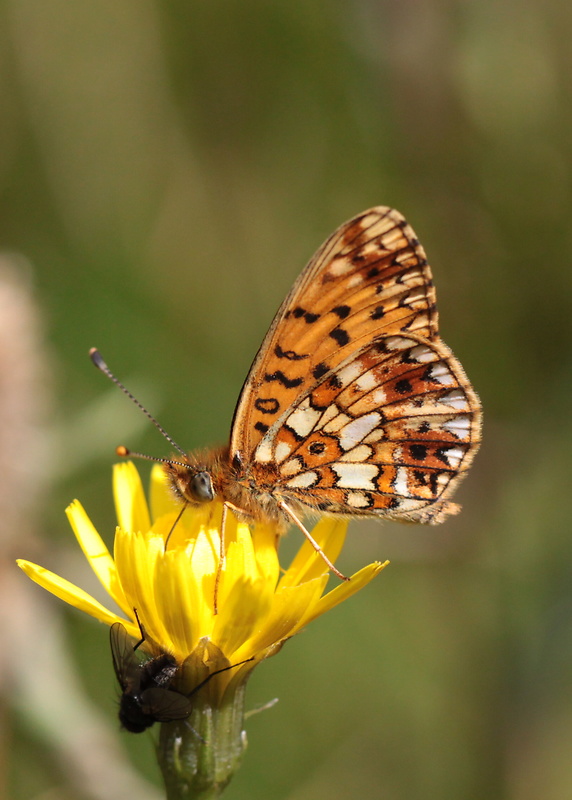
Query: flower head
(172, 589)
(162, 577)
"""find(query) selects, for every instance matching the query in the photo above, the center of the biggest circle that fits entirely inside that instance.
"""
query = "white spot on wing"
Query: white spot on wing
(357, 500)
(458, 426)
(400, 483)
(303, 481)
(360, 453)
(355, 476)
(340, 266)
(356, 430)
(329, 414)
(397, 343)
(283, 450)
(455, 399)
(379, 397)
(375, 436)
(453, 455)
(292, 467)
(440, 372)
(263, 452)
(336, 423)
(303, 419)
(367, 381)
(355, 280)
(422, 354)
(349, 373)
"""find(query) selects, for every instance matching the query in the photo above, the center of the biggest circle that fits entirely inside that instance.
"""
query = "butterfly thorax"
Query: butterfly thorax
(207, 475)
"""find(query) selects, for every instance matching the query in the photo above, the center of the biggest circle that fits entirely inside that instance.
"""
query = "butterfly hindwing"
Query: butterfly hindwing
(389, 432)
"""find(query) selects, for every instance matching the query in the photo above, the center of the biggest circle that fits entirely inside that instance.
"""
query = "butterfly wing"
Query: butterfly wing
(389, 432)
(370, 277)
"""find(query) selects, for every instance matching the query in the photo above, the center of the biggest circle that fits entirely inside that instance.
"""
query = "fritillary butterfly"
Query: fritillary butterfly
(353, 405)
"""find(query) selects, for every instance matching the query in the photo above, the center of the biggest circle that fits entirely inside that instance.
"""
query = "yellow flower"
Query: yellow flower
(171, 588)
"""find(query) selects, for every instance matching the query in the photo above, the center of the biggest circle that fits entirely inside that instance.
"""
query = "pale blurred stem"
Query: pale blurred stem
(198, 762)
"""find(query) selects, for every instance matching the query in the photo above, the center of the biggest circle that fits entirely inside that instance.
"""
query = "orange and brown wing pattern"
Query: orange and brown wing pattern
(369, 278)
(389, 432)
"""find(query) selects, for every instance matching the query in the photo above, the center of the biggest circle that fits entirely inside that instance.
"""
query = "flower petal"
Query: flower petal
(240, 615)
(330, 534)
(68, 592)
(342, 591)
(96, 552)
(130, 503)
(289, 607)
(161, 499)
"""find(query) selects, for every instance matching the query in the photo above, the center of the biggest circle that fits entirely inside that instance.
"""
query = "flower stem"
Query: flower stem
(198, 756)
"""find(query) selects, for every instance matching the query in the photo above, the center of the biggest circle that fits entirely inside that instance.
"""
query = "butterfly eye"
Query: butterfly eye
(201, 487)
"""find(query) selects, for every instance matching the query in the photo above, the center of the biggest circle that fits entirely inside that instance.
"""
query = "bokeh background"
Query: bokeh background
(167, 167)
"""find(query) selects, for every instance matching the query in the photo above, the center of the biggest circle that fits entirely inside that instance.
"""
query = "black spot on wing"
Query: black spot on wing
(290, 355)
(341, 311)
(377, 313)
(317, 448)
(320, 370)
(418, 452)
(267, 405)
(283, 379)
(340, 336)
(299, 312)
(403, 386)
(260, 426)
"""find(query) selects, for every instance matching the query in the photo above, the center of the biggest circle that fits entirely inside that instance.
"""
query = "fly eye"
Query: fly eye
(201, 487)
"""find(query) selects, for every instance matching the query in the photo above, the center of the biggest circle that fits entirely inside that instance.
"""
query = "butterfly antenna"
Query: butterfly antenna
(98, 361)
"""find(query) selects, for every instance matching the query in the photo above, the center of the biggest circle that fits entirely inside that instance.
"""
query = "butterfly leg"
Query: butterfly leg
(298, 523)
(179, 515)
(221, 558)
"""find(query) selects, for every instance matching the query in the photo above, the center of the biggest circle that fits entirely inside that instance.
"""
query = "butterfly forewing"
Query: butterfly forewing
(370, 277)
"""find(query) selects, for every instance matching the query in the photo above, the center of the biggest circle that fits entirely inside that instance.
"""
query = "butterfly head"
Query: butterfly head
(196, 478)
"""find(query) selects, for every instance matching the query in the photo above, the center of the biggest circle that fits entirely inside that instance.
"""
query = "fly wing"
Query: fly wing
(125, 661)
(165, 705)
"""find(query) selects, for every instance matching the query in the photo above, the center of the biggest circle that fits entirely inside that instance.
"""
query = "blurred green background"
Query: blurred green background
(166, 170)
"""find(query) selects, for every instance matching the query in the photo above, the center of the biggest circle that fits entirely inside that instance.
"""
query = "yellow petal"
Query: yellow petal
(330, 534)
(342, 591)
(68, 592)
(264, 542)
(245, 606)
(96, 552)
(181, 604)
(130, 503)
(289, 606)
(161, 499)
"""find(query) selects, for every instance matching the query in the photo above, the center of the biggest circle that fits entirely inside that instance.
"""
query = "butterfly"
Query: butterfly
(354, 406)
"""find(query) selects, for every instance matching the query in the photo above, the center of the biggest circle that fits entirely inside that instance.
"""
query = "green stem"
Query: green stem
(198, 756)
